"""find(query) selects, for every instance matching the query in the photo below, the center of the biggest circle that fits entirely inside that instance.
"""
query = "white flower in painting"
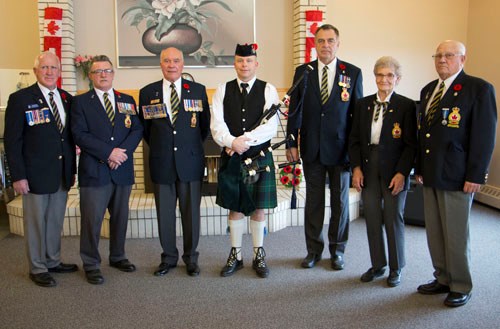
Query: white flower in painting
(195, 2)
(167, 7)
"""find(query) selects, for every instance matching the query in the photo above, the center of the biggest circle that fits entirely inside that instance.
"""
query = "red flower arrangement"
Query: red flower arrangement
(342, 66)
(457, 87)
(290, 177)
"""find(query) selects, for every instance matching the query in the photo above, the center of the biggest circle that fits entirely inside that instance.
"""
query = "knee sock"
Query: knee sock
(257, 234)
(237, 227)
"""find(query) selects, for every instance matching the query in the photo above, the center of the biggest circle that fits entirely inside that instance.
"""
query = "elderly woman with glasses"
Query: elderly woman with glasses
(382, 148)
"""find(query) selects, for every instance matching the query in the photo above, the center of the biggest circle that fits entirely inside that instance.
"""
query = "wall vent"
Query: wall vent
(489, 195)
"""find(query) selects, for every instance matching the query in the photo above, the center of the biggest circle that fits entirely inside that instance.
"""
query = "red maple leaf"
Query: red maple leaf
(52, 27)
(313, 28)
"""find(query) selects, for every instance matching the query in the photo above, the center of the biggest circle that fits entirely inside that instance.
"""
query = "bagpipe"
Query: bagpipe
(250, 166)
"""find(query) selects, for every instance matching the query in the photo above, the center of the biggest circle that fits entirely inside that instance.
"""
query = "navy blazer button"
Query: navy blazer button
(112, 138)
(427, 135)
(427, 151)
(62, 139)
(175, 148)
(59, 157)
(175, 132)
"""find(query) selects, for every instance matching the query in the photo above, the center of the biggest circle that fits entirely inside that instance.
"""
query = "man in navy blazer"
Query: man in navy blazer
(176, 118)
(106, 128)
(322, 123)
(41, 156)
(457, 129)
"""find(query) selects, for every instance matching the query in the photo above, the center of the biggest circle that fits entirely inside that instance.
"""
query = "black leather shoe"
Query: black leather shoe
(338, 263)
(394, 278)
(232, 264)
(63, 268)
(163, 269)
(433, 288)
(123, 265)
(310, 260)
(372, 273)
(455, 299)
(43, 279)
(193, 269)
(94, 276)
(259, 263)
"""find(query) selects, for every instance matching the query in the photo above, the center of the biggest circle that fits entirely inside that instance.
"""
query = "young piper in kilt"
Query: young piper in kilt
(236, 109)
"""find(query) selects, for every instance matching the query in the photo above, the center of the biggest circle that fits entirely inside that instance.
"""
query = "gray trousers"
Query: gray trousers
(93, 204)
(314, 211)
(43, 218)
(447, 226)
(382, 209)
(189, 195)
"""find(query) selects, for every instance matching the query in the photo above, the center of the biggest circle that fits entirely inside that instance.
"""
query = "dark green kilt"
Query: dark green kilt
(237, 196)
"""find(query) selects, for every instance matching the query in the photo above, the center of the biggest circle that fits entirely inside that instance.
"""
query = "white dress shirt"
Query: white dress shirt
(261, 134)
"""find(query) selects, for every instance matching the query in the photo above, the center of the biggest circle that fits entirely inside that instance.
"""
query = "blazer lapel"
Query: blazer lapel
(314, 79)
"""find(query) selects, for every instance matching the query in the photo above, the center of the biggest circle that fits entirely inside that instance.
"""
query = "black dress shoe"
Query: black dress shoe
(433, 288)
(43, 279)
(193, 269)
(310, 260)
(232, 264)
(394, 278)
(372, 273)
(94, 276)
(123, 265)
(455, 299)
(163, 269)
(63, 268)
(259, 263)
(338, 263)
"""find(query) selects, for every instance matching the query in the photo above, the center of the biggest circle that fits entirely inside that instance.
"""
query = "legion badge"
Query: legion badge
(454, 118)
(396, 131)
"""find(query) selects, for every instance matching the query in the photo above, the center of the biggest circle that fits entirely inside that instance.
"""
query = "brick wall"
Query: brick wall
(299, 26)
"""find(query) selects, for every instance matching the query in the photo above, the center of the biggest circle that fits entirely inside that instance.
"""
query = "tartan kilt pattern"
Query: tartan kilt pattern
(263, 192)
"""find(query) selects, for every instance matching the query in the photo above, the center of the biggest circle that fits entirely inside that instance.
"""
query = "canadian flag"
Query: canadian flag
(313, 21)
(52, 32)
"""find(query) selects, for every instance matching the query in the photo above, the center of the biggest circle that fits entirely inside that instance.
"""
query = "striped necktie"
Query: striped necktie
(324, 85)
(244, 87)
(380, 105)
(434, 104)
(174, 103)
(55, 112)
(109, 109)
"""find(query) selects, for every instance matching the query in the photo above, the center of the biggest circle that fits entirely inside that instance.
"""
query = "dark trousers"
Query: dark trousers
(189, 195)
(93, 204)
(382, 209)
(314, 213)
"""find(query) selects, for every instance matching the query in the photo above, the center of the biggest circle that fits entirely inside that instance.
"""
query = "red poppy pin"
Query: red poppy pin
(457, 87)
(117, 93)
(185, 86)
(63, 96)
(342, 66)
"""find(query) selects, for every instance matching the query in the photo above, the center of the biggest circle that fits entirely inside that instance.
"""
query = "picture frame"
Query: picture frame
(206, 31)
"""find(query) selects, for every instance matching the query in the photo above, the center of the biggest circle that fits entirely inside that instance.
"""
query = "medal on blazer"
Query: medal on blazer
(193, 120)
(445, 112)
(156, 111)
(36, 117)
(396, 131)
(344, 95)
(128, 122)
(193, 105)
(126, 108)
(454, 118)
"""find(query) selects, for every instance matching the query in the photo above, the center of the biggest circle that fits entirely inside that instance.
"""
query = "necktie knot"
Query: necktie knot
(380, 106)
(379, 103)
(244, 87)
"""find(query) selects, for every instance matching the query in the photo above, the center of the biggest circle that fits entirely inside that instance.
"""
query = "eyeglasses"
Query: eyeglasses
(99, 71)
(389, 76)
(447, 55)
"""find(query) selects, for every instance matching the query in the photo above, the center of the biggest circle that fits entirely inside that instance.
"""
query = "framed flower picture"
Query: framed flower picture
(206, 31)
